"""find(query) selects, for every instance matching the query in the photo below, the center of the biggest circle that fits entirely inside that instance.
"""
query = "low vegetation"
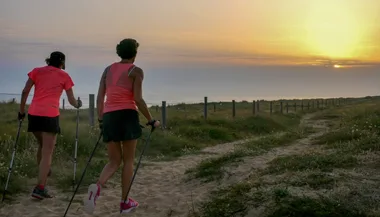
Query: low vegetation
(213, 168)
(326, 166)
(187, 132)
(336, 174)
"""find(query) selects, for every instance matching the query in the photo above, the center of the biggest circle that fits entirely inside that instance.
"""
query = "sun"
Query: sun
(337, 66)
(332, 33)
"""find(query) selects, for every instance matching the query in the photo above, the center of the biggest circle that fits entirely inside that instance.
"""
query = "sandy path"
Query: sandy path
(159, 187)
(252, 165)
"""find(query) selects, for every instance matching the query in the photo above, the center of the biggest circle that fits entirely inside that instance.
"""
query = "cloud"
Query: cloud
(193, 56)
(158, 54)
(32, 50)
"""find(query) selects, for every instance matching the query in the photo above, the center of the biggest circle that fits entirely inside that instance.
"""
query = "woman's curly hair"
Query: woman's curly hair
(127, 48)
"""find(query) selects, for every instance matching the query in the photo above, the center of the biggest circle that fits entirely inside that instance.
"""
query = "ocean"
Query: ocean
(192, 84)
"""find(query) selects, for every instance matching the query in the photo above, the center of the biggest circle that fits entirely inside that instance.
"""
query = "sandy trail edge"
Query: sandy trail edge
(159, 187)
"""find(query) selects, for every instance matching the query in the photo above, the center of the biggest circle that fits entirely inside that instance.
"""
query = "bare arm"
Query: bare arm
(24, 95)
(138, 76)
(71, 98)
(101, 95)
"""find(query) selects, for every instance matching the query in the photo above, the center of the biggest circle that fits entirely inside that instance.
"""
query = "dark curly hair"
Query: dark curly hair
(127, 48)
(56, 59)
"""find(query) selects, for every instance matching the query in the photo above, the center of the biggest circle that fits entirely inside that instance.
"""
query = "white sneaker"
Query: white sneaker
(92, 196)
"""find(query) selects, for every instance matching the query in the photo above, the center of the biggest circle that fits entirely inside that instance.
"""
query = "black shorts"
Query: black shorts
(43, 124)
(121, 125)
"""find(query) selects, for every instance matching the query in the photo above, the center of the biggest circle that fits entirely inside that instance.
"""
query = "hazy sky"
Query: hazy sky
(178, 38)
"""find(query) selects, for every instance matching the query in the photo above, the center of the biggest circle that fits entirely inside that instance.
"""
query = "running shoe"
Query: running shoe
(128, 206)
(90, 200)
(40, 193)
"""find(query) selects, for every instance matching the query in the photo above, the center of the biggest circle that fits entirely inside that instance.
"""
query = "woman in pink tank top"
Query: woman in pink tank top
(118, 117)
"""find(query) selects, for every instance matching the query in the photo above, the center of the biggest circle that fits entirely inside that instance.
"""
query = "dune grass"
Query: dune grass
(324, 162)
(187, 132)
(238, 200)
(213, 168)
(341, 179)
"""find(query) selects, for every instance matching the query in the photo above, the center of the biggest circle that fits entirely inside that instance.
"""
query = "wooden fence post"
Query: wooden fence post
(281, 107)
(214, 106)
(295, 106)
(258, 106)
(205, 108)
(287, 107)
(301, 105)
(92, 109)
(63, 104)
(254, 107)
(233, 108)
(271, 107)
(163, 114)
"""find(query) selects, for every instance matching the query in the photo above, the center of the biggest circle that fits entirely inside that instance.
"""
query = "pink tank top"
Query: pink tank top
(119, 88)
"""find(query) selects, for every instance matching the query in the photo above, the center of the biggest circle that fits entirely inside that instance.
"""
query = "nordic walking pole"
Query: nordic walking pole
(12, 160)
(76, 147)
(83, 173)
(138, 164)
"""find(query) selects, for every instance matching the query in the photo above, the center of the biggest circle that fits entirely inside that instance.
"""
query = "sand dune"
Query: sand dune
(159, 187)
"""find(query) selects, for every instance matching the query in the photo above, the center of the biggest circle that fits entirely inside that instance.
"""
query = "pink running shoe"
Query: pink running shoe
(128, 206)
(90, 200)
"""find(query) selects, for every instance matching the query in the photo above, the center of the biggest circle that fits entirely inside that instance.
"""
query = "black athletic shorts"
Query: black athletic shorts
(121, 125)
(43, 124)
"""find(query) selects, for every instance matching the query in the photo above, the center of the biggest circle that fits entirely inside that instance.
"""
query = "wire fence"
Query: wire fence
(64, 103)
(204, 108)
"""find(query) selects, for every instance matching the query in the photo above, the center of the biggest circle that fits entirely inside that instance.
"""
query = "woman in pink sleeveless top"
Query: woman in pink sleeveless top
(118, 117)
(43, 113)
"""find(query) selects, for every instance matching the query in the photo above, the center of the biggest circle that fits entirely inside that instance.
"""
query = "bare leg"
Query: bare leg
(38, 136)
(114, 158)
(48, 143)
(129, 148)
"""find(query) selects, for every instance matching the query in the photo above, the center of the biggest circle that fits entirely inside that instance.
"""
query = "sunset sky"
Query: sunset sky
(177, 35)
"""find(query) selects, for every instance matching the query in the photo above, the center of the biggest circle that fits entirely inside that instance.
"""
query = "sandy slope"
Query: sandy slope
(159, 187)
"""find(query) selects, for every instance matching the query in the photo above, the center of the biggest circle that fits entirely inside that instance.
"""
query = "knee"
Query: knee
(48, 148)
(128, 162)
(48, 142)
(115, 163)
